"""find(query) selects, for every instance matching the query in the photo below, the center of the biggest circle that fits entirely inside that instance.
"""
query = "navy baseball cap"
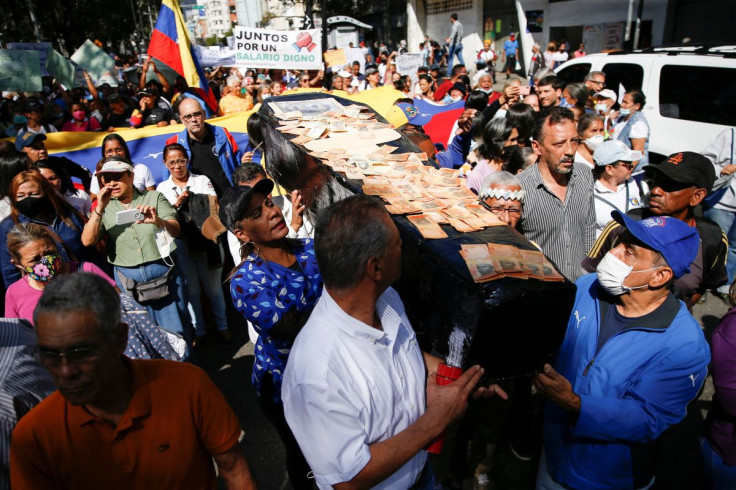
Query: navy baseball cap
(677, 241)
(27, 140)
(413, 115)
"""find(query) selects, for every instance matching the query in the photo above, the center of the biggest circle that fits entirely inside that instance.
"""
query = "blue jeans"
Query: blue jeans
(195, 268)
(169, 312)
(720, 476)
(727, 221)
(455, 49)
(546, 482)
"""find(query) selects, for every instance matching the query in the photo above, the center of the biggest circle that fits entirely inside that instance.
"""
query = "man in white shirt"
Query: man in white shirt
(614, 189)
(354, 387)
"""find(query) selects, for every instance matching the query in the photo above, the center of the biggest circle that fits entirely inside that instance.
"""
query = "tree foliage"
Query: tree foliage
(71, 22)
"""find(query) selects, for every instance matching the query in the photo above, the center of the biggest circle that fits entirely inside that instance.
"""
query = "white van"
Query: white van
(690, 91)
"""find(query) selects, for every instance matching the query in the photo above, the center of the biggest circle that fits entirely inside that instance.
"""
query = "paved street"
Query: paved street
(230, 367)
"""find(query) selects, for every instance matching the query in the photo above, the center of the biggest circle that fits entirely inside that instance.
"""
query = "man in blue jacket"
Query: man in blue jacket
(632, 359)
(212, 149)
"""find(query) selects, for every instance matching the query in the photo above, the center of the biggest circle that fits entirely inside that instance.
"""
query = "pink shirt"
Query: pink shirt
(21, 298)
(478, 175)
(91, 124)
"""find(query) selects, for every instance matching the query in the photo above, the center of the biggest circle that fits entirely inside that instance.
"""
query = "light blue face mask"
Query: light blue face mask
(19, 119)
(624, 112)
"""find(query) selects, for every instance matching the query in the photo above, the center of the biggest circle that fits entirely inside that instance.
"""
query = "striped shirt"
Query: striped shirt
(564, 230)
(23, 383)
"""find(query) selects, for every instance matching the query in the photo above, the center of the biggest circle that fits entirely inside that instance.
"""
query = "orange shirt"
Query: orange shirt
(233, 104)
(175, 421)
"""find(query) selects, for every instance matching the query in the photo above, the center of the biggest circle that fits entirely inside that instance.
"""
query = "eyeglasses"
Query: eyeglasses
(597, 82)
(626, 165)
(181, 162)
(78, 355)
(512, 210)
(189, 117)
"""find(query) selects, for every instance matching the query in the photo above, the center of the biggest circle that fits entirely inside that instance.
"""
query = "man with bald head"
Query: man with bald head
(212, 149)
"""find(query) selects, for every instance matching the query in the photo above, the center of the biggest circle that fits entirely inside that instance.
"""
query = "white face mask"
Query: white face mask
(602, 108)
(594, 142)
(624, 112)
(455, 99)
(501, 113)
(266, 96)
(612, 272)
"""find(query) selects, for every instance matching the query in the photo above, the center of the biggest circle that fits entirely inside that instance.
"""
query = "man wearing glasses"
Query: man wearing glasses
(502, 194)
(116, 422)
(595, 81)
(212, 149)
(677, 185)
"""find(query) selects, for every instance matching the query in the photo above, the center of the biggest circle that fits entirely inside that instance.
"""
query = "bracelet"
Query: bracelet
(98, 213)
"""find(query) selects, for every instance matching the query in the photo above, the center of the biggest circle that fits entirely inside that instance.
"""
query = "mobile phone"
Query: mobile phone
(524, 90)
(128, 216)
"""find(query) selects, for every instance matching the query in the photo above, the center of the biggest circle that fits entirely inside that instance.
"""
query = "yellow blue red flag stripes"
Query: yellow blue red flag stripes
(170, 44)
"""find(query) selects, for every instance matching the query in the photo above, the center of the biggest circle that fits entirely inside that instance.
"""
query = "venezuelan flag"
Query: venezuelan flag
(170, 44)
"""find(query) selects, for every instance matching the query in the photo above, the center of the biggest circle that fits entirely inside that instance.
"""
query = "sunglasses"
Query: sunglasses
(189, 117)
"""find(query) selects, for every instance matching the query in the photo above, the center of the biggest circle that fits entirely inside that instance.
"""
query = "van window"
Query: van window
(698, 93)
(630, 75)
(574, 73)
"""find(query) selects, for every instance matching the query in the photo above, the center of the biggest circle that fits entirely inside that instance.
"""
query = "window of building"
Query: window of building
(698, 93)
(447, 6)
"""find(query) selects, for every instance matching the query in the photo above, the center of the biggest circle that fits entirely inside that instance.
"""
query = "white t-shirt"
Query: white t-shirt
(81, 202)
(197, 184)
(625, 198)
(368, 386)
(579, 159)
(638, 130)
(142, 178)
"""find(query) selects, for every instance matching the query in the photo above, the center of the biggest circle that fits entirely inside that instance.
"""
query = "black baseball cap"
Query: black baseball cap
(147, 92)
(686, 167)
(236, 199)
(33, 106)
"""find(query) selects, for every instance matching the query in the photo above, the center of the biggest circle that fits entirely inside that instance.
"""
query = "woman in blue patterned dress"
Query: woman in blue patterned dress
(275, 287)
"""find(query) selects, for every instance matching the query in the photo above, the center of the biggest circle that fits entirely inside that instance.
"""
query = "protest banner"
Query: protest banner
(42, 49)
(266, 48)
(407, 64)
(93, 59)
(215, 57)
(335, 58)
(355, 54)
(20, 70)
(60, 68)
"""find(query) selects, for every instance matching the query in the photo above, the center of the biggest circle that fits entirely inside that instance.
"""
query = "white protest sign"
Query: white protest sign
(355, 54)
(42, 49)
(266, 48)
(20, 70)
(215, 57)
(407, 64)
(94, 60)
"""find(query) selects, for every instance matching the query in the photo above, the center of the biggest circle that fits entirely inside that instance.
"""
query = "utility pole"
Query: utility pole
(629, 15)
(639, 13)
(323, 7)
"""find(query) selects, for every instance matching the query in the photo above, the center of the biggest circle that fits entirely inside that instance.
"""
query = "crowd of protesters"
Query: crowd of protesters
(117, 262)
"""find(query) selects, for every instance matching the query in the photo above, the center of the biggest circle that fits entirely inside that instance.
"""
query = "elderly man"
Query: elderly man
(558, 202)
(235, 102)
(116, 422)
(354, 387)
(212, 149)
(502, 194)
(631, 361)
(595, 81)
(677, 186)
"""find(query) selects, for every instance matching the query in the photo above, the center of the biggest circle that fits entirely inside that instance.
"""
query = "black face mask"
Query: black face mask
(33, 206)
